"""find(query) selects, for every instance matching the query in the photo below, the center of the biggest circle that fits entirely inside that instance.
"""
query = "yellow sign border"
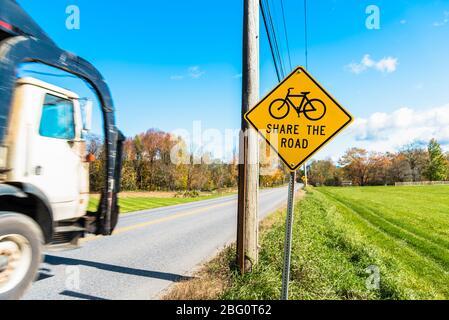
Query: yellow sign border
(300, 69)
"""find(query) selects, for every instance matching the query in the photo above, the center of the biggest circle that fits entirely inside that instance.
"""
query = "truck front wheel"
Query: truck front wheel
(21, 242)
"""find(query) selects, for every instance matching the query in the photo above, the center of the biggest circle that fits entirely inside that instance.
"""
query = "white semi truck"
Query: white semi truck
(44, 166)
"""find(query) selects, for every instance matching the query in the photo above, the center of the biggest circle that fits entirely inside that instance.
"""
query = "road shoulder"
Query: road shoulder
(215, 276)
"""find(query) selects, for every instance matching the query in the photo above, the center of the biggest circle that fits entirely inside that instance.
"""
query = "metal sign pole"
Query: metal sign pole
(288, 236)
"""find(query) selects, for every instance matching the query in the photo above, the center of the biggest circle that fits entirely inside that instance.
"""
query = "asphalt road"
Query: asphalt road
(148, 251)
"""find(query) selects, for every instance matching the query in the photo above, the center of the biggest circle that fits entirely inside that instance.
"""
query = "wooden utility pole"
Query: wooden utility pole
(248, 225)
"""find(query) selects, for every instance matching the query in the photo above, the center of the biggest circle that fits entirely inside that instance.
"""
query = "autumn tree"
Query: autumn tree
(324, 173)
(277, 177)
(417, 158)
(129, 174)
(400, 169)
(355, 165)
(97, 170)
(378, 168)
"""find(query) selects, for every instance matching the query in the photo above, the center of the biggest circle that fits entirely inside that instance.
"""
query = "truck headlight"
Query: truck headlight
(3, 156)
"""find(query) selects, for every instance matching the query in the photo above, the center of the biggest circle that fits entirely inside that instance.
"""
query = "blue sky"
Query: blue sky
(170, 63)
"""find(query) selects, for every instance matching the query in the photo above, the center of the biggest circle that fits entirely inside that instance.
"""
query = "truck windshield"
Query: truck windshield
(57, 119)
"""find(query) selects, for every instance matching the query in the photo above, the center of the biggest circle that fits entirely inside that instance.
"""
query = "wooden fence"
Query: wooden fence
(421, 183)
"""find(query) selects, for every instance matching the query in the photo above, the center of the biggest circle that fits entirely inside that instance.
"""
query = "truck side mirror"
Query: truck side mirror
(87, 123)
(90, 158)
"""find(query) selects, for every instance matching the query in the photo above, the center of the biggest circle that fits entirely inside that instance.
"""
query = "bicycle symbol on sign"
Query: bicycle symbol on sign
(313, 109)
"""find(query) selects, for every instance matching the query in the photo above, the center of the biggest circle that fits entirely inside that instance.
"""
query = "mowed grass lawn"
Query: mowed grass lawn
(342, 233)
(407, 230)
(138, 203)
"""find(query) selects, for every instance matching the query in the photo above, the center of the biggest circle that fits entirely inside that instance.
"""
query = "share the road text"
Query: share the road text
(292, 129)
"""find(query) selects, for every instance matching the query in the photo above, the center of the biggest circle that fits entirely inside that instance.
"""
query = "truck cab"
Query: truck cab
(48, 178)
(48, 147)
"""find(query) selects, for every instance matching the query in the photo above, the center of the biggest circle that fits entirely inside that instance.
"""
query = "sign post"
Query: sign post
(297, 118)
(288, 235)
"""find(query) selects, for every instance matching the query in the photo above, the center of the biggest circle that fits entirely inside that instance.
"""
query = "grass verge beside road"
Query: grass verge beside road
(342, 235)
(130, 203)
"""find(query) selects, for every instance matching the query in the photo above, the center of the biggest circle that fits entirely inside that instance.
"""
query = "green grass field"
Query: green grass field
(340, 232)
(131, 203)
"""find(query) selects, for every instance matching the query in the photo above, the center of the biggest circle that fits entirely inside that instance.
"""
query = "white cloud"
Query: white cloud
(388, 65)
(385, 65)
(443, 22)
(403, 21)
(390, 131)
(193, 72)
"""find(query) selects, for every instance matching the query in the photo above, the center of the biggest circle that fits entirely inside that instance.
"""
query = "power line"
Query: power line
(306, 45)
(286, 34)
(306, 40)
(276, 44)
(269, 40)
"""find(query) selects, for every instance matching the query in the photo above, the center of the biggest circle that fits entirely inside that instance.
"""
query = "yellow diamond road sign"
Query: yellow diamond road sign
(298, 118)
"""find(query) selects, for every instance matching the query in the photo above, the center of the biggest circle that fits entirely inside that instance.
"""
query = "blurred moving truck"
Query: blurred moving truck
(44, 166)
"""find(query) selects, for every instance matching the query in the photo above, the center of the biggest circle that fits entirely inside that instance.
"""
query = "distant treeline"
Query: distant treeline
(148, 166)
(412, 163)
